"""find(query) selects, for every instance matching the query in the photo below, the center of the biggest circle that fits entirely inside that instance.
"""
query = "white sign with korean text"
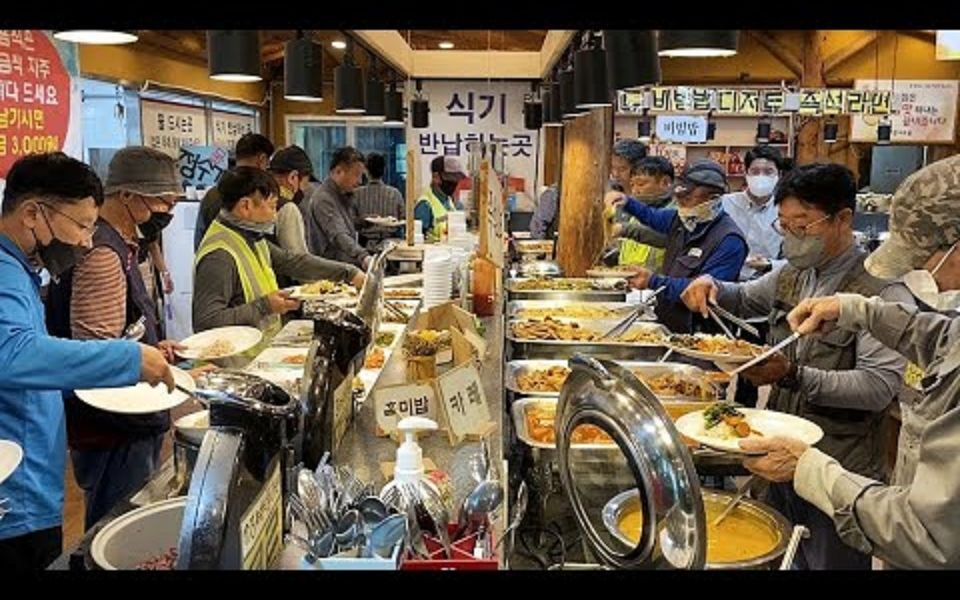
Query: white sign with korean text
(681, 128)
(392, 403)
(924, 112)
(463, 401)
(168, 126)
(466, 111)
(229, 127)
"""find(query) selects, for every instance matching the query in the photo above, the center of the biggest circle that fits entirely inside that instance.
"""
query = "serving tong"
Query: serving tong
(626, 323)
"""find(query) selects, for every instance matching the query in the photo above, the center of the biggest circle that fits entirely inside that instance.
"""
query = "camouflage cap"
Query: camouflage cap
(924, 218)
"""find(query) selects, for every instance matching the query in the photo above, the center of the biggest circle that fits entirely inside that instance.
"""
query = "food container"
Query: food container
(421, 367)
(617, 310)
(561, 349)
(605, 290)
(756, 524)
(138, 536)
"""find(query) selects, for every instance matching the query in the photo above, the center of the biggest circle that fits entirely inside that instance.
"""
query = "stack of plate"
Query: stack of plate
(438, 267)
(418, 232)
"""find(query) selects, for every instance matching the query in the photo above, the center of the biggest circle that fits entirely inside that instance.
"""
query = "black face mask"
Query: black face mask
(448, 185)
(150, 230)
(57, 257)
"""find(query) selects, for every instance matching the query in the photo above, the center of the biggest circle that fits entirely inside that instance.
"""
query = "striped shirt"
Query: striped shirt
(98, 303)
(377, 199)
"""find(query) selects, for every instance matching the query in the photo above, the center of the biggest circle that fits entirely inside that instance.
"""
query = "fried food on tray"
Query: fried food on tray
(558, 284)
(573, 311)
(540, 419)
(715, 344)
(550, 329)
(543, 380)
(722, 420)
(404, 293)
(375, 359)
(672, 384)
(641, 336)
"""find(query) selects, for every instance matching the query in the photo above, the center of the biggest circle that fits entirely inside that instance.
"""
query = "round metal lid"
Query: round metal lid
(603, 394)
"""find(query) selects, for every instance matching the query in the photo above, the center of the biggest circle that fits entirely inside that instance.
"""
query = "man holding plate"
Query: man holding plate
(913, 522)
(844, 381)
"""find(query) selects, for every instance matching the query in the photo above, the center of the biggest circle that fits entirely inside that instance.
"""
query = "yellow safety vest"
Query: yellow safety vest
(633, 252)
(439, 230)
(256, 273)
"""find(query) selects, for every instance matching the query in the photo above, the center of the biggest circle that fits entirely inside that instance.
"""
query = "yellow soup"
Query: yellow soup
(740, 536)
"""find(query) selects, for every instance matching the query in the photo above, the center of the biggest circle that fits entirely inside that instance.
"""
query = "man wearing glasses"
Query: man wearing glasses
(701, 239)
(843, 381)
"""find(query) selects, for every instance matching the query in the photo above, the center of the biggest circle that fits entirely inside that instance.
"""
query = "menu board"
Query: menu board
(168, 127)
(922, 112)
(229, 127)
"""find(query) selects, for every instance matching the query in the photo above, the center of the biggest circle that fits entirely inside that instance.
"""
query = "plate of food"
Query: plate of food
(321, 289)
(221, 342)
(715, 348)
(722, 425)
(383, 221)
(141, 398)
(10, 456)
(617, 272)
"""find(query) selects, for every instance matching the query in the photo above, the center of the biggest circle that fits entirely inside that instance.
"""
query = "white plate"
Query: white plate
(769, 423)
(722, 360)
(194, 426)
(610, 273)
(242, 338)
(10, 456)
(141, 398)
(298, 293)
(384, 221)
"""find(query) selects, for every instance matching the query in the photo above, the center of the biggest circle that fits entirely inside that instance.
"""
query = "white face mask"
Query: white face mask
(761, 186)
(924, 286)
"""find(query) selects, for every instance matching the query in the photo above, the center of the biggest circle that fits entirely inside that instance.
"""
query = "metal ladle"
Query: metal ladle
(483, 500)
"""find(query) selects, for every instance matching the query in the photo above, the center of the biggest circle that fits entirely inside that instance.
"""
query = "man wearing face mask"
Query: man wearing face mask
(911, 523)
(701, 239)
(332, 222)
(49, 215)
(436, 201)
(843, 381)
(626, 155)
(754, 212)
(291, 167)
(651, 182)
(252, 150)
(113, 455)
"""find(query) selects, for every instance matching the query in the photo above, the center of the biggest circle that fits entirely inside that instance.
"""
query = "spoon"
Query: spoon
(736, 500)
(483, 500)
(373, 510)
(348, 529)
(385, 535)
(135, 330)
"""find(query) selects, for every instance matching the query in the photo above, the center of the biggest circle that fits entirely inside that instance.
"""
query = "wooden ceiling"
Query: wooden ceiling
(512, 40)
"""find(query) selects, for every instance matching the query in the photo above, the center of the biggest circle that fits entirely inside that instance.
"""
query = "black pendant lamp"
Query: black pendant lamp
(234, 55)
(303, 70)
(590, 75)
(375, 91)
(533, 108)
(698, 42)
(632, 59)
(419, 109)
(101, 37)
(393, 105)
(348, 85)
(551, 105)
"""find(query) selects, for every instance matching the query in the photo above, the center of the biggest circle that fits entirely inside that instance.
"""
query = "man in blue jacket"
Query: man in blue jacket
(50, 206)
(701, 239)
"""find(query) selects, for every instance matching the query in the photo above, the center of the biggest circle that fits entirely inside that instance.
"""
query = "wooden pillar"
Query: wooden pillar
(552, 154)
(809, 135)
(587, 142)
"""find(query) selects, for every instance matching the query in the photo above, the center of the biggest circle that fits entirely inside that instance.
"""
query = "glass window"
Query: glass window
(111, 120)
(388, 141)
(319, 141)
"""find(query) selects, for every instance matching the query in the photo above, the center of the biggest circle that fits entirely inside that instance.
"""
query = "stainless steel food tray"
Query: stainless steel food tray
(622, 308)
(598, 295)
(561, 349)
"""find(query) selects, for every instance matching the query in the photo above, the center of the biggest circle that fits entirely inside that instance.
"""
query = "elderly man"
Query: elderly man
(911, 523)
(332, 213)
(842, 381)
(701, 239)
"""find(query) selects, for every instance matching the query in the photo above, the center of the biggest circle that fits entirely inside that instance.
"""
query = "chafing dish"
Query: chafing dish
(609, 290)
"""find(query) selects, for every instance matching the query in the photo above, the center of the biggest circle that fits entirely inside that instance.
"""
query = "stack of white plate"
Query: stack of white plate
(438, 267)
(418, 232)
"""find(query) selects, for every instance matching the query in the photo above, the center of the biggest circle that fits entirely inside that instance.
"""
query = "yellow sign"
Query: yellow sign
(833, 101)
(261, 526)
(748, 102)
(726, 101)
(811, 102)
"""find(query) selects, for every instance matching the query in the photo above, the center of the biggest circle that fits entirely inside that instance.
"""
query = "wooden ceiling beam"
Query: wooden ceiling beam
(849, 51)
(779, 51)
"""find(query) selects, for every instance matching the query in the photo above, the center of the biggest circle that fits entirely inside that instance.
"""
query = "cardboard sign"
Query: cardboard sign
(261, 526)
(449, 316)
(682, 129)
(392, 403)
(202, 166)
(926, 111)
(464, 403)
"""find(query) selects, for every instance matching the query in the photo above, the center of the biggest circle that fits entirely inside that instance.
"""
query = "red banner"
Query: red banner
(34, 96)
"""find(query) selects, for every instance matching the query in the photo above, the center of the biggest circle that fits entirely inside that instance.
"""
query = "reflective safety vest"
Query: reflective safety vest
(439, 229)
(256, 273)
(633, 252)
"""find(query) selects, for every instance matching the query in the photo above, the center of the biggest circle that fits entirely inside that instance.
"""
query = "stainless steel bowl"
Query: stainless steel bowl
(773, 520)
(138, 535)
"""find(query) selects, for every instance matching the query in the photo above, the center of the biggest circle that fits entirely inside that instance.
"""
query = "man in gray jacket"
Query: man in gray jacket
(332, 215)
(913, 522)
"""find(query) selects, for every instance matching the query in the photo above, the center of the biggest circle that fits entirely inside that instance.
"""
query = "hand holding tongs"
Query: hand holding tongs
(765, 355)
(716, 310)
(627, 322)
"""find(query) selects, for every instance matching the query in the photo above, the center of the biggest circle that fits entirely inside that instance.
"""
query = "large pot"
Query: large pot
(769, 520)
(139, 535)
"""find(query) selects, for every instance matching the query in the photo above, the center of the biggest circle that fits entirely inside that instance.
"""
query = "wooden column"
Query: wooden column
(809, 136)
(587, 144)
(552, 154)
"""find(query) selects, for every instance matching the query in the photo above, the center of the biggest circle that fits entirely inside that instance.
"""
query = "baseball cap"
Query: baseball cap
(291, 158)
(448, 164)
(924, 218)
(143, 170)
(705, 172)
